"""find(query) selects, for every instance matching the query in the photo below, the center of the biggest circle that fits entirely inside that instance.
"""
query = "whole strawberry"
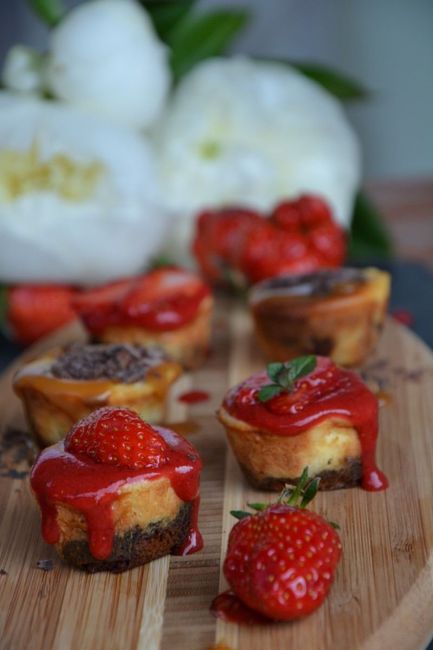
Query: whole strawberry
(34, 311)
(117, 436)
(281, 560)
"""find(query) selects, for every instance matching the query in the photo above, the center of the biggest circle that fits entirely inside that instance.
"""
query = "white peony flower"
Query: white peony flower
(251, 133)
(78, 196)
(105, 57)
(23, 70)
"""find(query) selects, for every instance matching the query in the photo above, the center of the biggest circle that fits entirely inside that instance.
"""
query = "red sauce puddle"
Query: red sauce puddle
(91, 488)
(403, 316)
(228, 607)
(193, 397)
(327, 392)
(384, 397)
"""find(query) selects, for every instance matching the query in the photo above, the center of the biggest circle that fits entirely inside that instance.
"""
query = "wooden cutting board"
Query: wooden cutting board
(383, 593)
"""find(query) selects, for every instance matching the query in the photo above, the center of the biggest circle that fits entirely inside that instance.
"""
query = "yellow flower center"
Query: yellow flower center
(210, 150)
(23, 172)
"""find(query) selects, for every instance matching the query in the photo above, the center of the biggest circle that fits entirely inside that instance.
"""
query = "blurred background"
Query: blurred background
(386, 45)
(203, 134)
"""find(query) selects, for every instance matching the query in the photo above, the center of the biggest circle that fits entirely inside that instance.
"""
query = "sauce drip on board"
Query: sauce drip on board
(91, 488)
(193, 396)
(327, 392)
(228, 607)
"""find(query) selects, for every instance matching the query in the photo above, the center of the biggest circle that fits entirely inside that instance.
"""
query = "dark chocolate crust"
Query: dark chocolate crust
(349, 476)
(136, 547)
(119, 362)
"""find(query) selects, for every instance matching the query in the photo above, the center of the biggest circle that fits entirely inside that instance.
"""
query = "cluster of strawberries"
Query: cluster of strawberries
(33, 311)
(298, 236)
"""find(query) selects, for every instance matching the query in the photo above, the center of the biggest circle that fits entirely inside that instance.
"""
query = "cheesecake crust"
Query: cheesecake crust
(136, 546)
(348, 476)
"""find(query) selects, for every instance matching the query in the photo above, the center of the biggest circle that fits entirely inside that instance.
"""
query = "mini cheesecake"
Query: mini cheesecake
(118, 493)
(338, 313)
(328, 422)
(168, 307)
(63, 385)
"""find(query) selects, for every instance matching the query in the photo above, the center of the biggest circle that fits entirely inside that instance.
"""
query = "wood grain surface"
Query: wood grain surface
(383, 593)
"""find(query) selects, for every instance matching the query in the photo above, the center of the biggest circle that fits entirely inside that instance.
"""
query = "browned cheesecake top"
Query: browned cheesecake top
(320, 284)
(119, 362)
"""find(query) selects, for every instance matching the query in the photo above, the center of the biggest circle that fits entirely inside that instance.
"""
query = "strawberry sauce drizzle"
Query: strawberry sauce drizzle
(327, 392)
(162, 300)
(91, 488)
(228, 607)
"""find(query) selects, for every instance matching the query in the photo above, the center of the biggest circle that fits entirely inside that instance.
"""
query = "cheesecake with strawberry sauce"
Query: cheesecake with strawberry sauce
(62, 385)
(117, 492)
(167, 307)
(304, 413)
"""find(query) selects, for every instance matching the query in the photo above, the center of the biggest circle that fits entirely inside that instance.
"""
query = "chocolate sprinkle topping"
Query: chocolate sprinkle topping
(45, 565)
(320, 284)
(119, 362)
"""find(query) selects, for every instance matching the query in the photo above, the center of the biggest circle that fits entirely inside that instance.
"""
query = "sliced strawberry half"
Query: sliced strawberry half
(166, 298)
(163, 299)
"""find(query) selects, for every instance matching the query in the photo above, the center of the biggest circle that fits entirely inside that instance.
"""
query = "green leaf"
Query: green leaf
(334, 524)
(274, 369)
(310, 492)
(198, 37)
(240, 514)
(302, 366)
(336, 83)
(50, 11)
(268, 392)
(257, 506)
(294, 370)
(299, 489)
(161, 261)
(369, 236)
(166, 14)
(285, 378)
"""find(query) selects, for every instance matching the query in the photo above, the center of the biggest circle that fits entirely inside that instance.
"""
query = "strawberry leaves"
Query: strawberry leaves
(269, 391)
(298, 495)
(284, 376)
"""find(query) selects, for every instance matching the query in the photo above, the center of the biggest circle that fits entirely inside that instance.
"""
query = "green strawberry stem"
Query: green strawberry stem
(298, 496)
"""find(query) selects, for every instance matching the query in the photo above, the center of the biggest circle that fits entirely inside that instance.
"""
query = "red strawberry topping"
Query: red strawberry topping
(300, 236)
(162, 299)
(117, 436)
(35, 311)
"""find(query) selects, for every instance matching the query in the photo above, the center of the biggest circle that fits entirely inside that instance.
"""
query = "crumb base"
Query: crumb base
(136, 547)
(348, 476)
